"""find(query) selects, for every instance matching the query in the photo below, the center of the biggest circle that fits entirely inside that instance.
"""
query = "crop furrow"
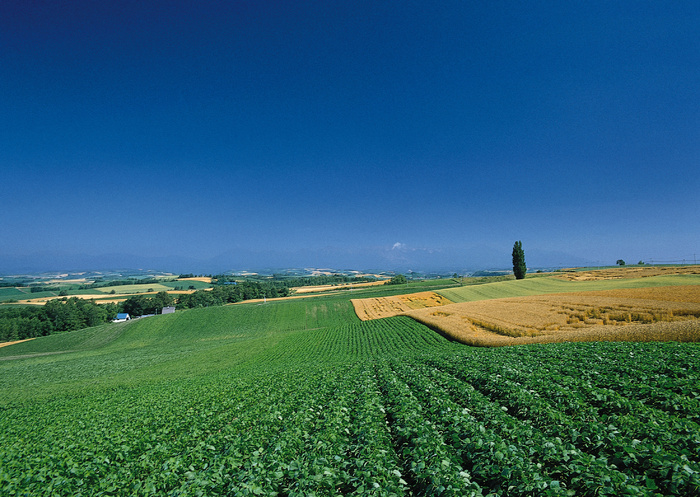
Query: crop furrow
(434, 467)
(504, 465)
(670, 467)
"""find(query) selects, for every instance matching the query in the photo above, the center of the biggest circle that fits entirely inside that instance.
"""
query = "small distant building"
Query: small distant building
(168, 310)
(121, 317)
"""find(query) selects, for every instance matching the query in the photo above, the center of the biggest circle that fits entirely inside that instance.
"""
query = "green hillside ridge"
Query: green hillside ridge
(300, 397)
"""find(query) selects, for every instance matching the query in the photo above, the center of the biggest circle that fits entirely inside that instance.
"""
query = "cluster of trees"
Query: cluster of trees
(226, 294)
(7, 283)
(59, 315)
(98, 283)
(141, 305)
(268, 283)
(281, 281)
(43, 288)
(69, 314)
(399, 279)
(321, 279)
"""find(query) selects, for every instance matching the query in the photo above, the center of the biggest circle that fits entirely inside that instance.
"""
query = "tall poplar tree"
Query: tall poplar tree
(519, 266)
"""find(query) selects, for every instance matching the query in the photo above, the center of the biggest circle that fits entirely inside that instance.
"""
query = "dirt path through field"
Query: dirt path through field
(5, 344)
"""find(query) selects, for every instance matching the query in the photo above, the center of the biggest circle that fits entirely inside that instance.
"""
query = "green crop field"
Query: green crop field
(9, 293)
(300, 398)
(539, 285)
(198, 285)
(136, 288)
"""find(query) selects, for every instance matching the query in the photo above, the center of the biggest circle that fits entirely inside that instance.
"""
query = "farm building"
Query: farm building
(168, 310)
(121, 317)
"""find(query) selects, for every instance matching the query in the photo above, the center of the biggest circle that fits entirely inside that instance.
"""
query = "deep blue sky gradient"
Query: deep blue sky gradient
(349, 133)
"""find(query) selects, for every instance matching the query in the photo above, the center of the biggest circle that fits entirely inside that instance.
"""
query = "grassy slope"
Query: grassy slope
(542, 285)
(181, 344)
(204, 340)
(10, 292)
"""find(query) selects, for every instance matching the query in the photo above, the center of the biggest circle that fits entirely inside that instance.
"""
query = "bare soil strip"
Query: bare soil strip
(641, 314)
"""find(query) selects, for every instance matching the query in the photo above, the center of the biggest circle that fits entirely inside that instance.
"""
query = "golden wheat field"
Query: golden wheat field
(203, 279)
(339, 286)
(681, 293)
(385, 307)
(625, 272)
(644, 314)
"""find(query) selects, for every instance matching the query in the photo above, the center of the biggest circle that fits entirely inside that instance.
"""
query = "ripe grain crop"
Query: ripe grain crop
(203, 279)
(570, 317)
(384, 307)
(552, 285)
(626, 272)
(340, 286)
(684, 293)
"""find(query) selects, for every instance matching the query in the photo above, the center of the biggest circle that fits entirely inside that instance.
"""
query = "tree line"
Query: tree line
(140, 305)
(227, 294)
(57, 316)
(282, 280)
(70, 314)
(321, 279)
(100, 283)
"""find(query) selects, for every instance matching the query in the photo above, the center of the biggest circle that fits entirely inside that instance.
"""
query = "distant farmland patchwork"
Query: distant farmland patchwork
(300, 397)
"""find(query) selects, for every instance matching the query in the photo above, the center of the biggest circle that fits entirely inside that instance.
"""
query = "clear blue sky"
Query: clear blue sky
(349, 133)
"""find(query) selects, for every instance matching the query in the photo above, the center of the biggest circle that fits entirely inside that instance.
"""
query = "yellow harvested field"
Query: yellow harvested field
(644, 314)
(100, 298)
(340, 286)
(681, 293)
(5, 344)
(203, 279)
(626, 272)
(384, 307)
(43, 300)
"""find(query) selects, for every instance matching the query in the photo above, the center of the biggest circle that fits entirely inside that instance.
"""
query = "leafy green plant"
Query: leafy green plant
(300, 398)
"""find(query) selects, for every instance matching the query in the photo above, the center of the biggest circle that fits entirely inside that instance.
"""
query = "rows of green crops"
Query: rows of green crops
(301, 398)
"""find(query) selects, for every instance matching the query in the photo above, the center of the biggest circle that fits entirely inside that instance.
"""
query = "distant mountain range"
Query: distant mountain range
(399, 258)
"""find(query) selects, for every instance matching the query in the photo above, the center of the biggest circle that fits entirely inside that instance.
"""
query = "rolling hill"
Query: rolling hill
(300, 397)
